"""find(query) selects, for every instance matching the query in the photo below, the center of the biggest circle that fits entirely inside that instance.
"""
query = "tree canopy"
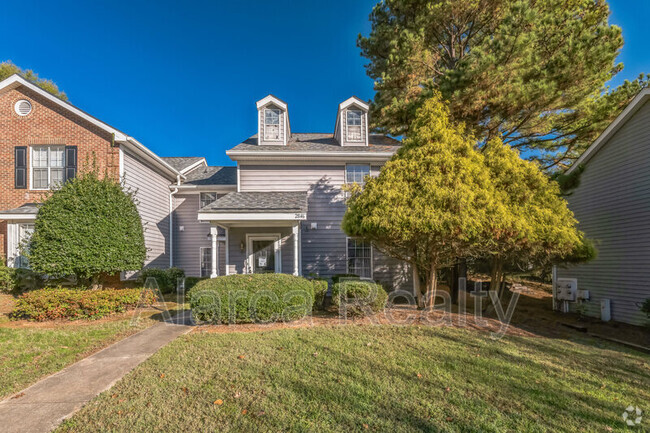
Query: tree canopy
(7, 69)
(530, 72)
(88, 227)
(432, 202)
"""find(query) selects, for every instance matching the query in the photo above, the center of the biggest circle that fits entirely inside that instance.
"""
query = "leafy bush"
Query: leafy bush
(360, 297)
(338, 277)
(645, 307)
(166, 278)
(192, 281)
(249, 298)
(73, 304)
(6, 277)
(87, 228)
(320, 290)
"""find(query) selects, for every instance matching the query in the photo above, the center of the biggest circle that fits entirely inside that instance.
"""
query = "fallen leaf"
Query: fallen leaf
(447, 389)
(449, 419)
(114, 396)
(369, 344)
(18, 395)
(261, 413)
(122, 400)
(241, 357)
(237, 394)
(419, 375)
(218, 402)
(315, 354)
(185, 390)
(365, 426)
(244, 412)
(119, 412)
(162, 375)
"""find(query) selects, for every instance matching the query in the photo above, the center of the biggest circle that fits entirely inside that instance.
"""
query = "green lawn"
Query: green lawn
(374, 378)
(35, 350)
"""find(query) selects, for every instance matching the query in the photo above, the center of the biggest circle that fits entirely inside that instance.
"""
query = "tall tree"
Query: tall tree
(537, 228)
(7, 69)
(531, 72)
(87, 228)
(432, 202)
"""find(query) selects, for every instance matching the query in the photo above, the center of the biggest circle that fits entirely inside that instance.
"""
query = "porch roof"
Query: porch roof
(28, 211)
(260, 202)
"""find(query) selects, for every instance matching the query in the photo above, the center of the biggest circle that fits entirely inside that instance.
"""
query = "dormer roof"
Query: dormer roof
(357, 133)
(353, 100)
(270, 99)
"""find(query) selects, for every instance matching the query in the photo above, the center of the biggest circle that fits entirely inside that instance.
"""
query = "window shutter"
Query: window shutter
(20, 164)
(70, 162)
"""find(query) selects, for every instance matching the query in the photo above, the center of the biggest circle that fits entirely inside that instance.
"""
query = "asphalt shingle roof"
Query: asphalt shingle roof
(181, 162)
(26, 209)
(212, 175)
(316, 142)
(259, 202)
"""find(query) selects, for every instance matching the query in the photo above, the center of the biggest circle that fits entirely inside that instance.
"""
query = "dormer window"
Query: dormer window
(353, 130)
(272, 124)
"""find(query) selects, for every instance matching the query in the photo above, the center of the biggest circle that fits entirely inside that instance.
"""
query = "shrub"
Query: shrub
(89, 227)
(249, 298)
(360, 297)
(6, 277)
(336, 278)
(73, 304)
(25, 279)
(166, 278)
(320, 290)
(192, 281)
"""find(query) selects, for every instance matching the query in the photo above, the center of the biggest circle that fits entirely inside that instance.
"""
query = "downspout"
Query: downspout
(171, 221)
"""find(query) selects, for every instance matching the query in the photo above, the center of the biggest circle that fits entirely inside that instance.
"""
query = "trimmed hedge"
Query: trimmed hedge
(320, 290)
(74, 304)
(166, 278)
(360, 297)
(250, 298)
(338, 277)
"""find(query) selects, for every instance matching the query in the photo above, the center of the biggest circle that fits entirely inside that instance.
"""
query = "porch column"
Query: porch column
(296, 245)
(227, 250)
(213, 235)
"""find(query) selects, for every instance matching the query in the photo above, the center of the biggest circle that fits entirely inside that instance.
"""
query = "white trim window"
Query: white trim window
(25, 231)
(206, 261)
(272, 124)
(47, 167)
(356, 173)
(359, 257)
(353, 125)
(207, 198)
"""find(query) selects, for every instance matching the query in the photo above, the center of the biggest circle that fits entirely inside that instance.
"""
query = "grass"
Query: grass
(32, 351)
(373, 378)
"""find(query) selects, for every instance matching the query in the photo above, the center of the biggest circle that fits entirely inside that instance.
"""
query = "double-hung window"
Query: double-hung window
(356, 173)
(207, 198)
(206, 261)
(272, 124)
(354, 125)
(47, 163)
(359, 258)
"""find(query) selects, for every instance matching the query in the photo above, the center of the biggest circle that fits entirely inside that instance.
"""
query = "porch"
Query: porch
(262, 231)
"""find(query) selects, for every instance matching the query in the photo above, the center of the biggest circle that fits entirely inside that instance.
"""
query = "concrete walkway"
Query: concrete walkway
(44, 405)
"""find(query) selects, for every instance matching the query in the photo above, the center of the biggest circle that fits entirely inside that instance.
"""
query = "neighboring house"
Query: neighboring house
(278, 210)
(44, 141)
(612, 205)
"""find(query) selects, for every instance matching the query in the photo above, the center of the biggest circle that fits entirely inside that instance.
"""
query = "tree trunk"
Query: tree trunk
(432, 284)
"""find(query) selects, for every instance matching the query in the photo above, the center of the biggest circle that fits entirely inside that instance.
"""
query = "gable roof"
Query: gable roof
(270, 99)
(353, 100)
(259, 202)
(15, 81)
(212, 175)
(184, 163)
(617, 124)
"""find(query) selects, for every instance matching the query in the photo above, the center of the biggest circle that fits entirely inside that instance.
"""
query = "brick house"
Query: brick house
(279, 209)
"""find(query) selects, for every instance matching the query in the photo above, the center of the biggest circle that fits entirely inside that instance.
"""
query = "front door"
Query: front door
(263, 254)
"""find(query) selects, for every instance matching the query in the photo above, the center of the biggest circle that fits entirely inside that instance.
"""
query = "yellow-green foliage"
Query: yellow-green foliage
(7, 69)
(433, 201)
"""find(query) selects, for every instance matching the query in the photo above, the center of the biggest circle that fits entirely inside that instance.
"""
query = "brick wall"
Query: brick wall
(47, 123)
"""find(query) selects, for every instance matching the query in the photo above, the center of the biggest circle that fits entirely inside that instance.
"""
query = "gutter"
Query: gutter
(171, 222)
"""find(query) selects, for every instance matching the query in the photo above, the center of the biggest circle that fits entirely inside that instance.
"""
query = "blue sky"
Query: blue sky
(183, 77)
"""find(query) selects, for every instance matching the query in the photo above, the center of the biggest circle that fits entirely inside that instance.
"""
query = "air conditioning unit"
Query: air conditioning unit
(566, 289)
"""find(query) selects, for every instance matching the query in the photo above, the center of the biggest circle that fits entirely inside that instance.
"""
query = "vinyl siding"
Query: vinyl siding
(152, 195)
(323, 248)
(195, 234)
(612, 205)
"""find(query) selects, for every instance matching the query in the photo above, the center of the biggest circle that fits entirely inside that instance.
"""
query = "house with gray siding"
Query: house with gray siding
(612, 206)
(278, 209)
